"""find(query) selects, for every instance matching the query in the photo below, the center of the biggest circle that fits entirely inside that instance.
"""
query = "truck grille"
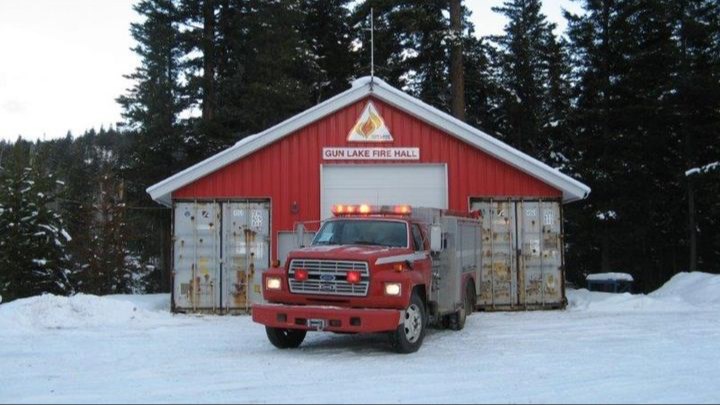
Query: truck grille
(327, 277)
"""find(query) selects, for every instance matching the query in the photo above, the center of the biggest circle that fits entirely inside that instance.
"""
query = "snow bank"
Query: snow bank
(684, 292)
(594, 301)
(82, 311)
(697, 288)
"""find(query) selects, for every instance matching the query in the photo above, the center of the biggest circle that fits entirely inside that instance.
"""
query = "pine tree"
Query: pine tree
(151, 107)
(255, 85)
(457, 68)
(110, 245)
(590, 224)
(277, 80)
(530, 63)
(696, 108)
(412, 46)
(326, 30)
(625, 55)
(33, 255)
(109, 268)
(482, 87)
(391, 46)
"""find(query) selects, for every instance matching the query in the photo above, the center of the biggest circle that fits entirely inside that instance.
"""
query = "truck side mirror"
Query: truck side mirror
(435, 238)
(299, 235)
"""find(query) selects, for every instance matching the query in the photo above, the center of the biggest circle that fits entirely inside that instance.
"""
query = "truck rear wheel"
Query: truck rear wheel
(285, 338)
(408, 336)
(457, 320)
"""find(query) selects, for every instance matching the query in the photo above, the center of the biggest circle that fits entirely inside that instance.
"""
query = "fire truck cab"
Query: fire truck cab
(376, 269)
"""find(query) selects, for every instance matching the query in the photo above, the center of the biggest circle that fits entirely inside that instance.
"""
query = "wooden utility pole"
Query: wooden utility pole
(692, 224)
(457, 79)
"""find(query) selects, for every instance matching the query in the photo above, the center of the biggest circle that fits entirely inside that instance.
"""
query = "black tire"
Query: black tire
(409, 335)
(285, 338)
(457, 320)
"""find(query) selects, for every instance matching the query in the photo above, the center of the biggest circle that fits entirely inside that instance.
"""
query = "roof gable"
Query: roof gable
(572, 189)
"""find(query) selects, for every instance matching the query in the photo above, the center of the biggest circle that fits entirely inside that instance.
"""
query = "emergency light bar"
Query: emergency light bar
(365, 209)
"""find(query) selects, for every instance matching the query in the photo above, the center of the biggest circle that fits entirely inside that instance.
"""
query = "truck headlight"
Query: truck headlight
(393, 289)
(272, 283)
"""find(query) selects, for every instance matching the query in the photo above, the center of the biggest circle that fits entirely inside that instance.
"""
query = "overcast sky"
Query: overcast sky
(63, 60)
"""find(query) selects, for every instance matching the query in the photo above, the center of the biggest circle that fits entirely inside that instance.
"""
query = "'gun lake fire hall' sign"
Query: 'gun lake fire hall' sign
(371, 153)
(370, 127)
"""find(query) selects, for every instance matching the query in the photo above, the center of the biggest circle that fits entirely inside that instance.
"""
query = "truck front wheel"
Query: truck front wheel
(285, 338)
(409, 335)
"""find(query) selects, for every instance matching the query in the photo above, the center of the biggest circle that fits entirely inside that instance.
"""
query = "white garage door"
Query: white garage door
(417, 185)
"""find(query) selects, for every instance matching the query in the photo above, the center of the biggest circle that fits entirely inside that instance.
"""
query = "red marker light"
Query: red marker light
(353, 277)
(301, 275)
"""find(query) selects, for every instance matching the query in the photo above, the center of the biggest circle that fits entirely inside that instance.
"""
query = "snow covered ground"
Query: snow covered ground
(661, 347)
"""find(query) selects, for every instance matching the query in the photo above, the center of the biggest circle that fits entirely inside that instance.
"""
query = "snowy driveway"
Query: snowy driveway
(605, 348)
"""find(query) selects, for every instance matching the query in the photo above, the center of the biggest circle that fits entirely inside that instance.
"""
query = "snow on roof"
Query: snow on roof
(572, 189)
(703, 169)
(609, 276)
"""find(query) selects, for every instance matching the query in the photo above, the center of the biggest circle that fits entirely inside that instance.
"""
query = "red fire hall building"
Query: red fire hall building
(237, 211)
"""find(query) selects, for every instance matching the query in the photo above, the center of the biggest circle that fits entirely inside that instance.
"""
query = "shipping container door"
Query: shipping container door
(540, 259)
(246, 252)
(196, 261)
(499, 264)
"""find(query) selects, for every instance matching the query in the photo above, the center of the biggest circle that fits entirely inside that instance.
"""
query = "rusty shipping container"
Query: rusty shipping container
(220, 250)
(522, 254)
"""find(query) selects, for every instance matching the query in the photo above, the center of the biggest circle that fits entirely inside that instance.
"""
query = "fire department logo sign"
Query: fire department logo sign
(370, 127)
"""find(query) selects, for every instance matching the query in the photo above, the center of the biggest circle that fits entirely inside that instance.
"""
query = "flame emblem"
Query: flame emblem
(370, 127)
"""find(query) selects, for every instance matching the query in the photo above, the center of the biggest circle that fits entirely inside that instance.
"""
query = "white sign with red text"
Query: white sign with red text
(371, 153)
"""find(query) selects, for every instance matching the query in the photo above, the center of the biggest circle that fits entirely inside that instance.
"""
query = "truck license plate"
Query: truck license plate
(316, 324)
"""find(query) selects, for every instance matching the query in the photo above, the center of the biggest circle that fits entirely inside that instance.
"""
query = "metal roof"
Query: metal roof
(572, 189)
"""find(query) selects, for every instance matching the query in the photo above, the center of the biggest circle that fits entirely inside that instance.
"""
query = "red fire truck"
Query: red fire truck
(371, 269)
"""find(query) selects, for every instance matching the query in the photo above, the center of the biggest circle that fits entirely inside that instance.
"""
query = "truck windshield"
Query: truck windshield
(364, 232)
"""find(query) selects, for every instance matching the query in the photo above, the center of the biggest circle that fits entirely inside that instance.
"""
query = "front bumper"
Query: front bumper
(333, 319)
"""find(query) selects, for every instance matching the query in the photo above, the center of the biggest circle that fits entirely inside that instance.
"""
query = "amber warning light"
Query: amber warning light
(365, 209)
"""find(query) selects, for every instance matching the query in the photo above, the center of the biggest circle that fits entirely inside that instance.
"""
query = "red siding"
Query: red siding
(289, 170)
